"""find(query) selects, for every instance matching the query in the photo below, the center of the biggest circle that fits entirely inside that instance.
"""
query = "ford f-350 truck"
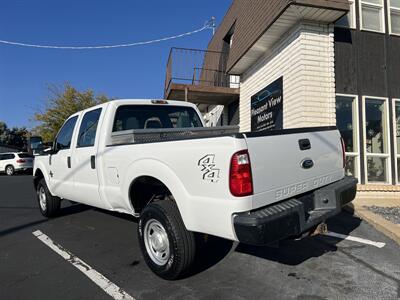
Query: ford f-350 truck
(155, 160)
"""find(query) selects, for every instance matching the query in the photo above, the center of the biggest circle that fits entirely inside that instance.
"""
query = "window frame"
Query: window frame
(80, 126)
(373, 5)
(353, 24)
(387, 155)
(396, 155)
(357, 129)
(390, 8)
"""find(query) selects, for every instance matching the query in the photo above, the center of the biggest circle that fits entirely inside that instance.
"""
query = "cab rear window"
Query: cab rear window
(155, 116)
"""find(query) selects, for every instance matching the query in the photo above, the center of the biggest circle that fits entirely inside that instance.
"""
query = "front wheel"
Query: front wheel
(167, 246)
(10, 170)
(49, 205)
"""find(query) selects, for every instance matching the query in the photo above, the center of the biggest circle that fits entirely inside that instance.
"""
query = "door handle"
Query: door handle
(69, 162)
(93, 162)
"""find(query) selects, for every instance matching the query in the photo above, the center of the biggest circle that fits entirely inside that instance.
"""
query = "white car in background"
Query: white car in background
(15, 162)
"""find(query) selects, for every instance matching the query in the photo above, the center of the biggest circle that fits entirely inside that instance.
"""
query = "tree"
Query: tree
(16, 136)
(63, 102)
(3, 132)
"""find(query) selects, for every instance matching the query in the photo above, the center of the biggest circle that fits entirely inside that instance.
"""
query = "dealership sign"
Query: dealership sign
(267, 107)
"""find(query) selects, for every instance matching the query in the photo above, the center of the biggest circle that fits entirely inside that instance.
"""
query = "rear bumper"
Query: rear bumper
(294, 216)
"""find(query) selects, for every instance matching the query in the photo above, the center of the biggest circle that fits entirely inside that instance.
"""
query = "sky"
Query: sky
(133, 72)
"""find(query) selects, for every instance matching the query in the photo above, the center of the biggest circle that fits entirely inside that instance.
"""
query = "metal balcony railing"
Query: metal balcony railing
(198, 67)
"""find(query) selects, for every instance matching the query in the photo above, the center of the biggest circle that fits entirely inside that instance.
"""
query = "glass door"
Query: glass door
(347, 124)
(376, 137)
(397, 136)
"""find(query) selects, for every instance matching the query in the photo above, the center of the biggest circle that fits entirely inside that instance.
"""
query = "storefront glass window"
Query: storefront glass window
(376, 140)
(397, 135)
(351, 166)
(376, 131)
(398, 170)
(346, 121)
(376, 169)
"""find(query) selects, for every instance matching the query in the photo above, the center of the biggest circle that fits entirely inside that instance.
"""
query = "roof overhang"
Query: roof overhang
(292, 15)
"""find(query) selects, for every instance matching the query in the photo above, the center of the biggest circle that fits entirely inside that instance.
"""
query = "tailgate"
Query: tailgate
(284, 165)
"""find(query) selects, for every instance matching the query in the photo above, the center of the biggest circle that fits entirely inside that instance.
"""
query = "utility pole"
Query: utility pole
(213, 25)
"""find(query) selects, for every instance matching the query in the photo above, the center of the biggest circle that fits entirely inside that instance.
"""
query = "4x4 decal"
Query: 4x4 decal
(207, 164)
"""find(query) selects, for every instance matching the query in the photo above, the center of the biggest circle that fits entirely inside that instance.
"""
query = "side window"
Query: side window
(87, 132)
(63, 140)
(8, 156)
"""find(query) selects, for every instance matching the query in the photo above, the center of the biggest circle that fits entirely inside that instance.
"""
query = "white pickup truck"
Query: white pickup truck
(155, 160)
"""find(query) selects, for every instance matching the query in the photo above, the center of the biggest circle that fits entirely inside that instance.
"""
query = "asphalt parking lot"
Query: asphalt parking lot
(318, 267)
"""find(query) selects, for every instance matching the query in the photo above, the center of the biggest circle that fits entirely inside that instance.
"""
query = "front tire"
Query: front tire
(10, 170)
(167, 246)
(48, 204)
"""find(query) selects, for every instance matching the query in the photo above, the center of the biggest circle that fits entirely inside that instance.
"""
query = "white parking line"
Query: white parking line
(355, 239)
(105, 284)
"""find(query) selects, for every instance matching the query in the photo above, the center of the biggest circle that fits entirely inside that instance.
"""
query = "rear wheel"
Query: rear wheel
(167, 246)
(10, 170)
(48, 204)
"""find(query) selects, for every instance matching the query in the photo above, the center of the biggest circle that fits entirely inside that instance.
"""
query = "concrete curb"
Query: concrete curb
(386, 227)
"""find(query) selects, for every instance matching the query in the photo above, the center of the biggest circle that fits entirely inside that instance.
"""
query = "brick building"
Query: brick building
(301, 63)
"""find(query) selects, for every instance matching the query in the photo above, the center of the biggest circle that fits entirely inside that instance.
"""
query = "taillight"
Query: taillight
(343, 152)
(240, 180)
(20, 161)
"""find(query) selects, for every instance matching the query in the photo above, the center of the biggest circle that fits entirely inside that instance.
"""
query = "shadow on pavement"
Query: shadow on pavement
(73, 209)
(290, 252)
(294, 252)
(20, 227)
(212, 250)
(209, 252)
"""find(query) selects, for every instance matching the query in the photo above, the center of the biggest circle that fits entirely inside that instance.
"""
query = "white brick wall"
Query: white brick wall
(305, 59)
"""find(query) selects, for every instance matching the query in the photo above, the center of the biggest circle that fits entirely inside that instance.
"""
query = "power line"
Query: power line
(208, 25)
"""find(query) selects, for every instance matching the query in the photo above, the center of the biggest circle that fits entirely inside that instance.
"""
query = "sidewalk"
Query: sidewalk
(366, 208)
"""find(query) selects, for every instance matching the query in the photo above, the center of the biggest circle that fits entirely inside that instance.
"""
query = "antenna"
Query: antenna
(210, 24)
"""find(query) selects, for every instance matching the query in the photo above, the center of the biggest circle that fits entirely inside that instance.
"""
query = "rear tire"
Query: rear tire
(167, 246)
(48, 204)
(10, 170)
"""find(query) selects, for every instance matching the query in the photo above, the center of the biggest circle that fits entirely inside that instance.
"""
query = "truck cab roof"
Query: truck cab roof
(118, 102)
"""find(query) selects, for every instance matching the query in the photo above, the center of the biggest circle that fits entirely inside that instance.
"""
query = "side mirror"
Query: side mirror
(48, 150)
(53, 148)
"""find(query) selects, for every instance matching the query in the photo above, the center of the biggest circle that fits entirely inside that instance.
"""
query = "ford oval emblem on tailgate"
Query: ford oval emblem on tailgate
(307, 163)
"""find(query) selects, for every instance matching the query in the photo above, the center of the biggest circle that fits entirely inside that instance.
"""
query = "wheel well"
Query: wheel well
(146, 189)
(37, 177)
